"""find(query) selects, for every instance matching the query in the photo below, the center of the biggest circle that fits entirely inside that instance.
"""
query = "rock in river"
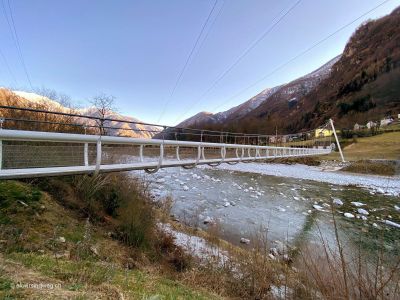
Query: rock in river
(337, 202)
(317, 207)
(349, 215)
(391, 223)
(362, 211)
(357, 204)
(244, 241)
(207, 220)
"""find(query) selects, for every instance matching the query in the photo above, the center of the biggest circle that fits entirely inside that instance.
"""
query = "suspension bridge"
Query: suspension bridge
(27, 154)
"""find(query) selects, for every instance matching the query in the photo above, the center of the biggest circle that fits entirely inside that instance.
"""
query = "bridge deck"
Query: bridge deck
(25, 154)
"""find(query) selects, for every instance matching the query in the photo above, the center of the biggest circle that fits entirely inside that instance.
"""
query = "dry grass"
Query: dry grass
(90, 261)
(382, 146)
(307, 160)
(370, 167)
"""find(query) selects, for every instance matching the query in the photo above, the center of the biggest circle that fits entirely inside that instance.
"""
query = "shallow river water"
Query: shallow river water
(284, 208)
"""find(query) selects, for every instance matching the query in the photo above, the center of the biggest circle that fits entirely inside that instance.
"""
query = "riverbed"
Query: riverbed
(283, 202)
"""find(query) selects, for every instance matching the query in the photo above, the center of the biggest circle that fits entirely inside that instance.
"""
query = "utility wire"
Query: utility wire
(16, 39)
(239, 59)
(300, 54)
(211, 26)
(187, 61)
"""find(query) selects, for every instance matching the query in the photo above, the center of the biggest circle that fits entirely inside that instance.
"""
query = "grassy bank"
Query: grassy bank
(370, 167)
(52, 240)
(383, 146)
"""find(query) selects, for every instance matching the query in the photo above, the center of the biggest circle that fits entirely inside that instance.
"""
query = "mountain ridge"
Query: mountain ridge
(34, 100)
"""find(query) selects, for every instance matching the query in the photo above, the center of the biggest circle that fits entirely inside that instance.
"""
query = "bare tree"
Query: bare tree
(104, 106)
(61, 98)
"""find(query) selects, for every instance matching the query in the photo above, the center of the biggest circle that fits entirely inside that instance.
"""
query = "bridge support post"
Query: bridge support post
(337, 140)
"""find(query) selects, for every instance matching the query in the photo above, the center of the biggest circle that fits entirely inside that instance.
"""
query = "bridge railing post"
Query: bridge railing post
(86, 154)
(98, 156)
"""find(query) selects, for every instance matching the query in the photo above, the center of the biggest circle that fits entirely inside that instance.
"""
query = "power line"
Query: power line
(16, 39)
(187, 61)
(239, 59)
(211, 26)
(301, 54)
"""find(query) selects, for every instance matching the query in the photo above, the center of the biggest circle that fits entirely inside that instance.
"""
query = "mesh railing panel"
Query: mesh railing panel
(18, 154)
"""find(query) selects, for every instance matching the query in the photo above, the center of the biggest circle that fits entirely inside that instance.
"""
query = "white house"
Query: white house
(387, 121)
(371, 124)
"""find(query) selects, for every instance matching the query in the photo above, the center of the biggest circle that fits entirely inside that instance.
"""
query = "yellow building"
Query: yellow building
(321, 132)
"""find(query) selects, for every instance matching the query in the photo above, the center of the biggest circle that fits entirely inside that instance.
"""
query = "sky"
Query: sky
(136, 50)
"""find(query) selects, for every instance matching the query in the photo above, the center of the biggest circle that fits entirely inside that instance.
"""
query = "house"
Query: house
(321, 132)
(356, 126)
(386, 121)
(371, 124)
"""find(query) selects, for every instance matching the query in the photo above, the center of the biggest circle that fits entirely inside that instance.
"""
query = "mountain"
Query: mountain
(287, 93)
(33, 100)
(360, 85)
(126, 129)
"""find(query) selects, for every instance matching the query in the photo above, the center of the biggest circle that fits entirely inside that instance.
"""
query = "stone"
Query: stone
(274, 251)
(185, 188)
(317, 207)
(280, 247)
(337, 202)
(226, 204)
(61, 239)
(391, 223)
(286, 258)
(349, 215)
(207, 220)
(281, 209)
(93, 249)
(23, 203)
(62, 255)
(244, 241)
(362, 211)
(357, 204)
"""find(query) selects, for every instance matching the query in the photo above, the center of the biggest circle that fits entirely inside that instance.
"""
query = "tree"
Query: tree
(104, 106)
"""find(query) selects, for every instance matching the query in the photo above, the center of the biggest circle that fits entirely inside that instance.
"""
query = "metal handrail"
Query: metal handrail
(149, 166)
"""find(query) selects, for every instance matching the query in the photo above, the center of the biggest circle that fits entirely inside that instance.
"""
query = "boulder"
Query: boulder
(357, 204)
(337, 202)
(362, 211)
(207, 220)
(244, 241)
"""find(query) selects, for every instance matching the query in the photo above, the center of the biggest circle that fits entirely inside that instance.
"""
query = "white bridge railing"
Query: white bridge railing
(32, 154)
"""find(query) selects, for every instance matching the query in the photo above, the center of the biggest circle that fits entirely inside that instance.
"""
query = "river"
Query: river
(289, 207)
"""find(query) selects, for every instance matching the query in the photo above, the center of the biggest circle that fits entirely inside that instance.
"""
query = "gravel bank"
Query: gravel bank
(376, 184)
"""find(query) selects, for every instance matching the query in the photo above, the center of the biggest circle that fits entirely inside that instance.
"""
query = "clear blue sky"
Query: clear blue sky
(135, 50)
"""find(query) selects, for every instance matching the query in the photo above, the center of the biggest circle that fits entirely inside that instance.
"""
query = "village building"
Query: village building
(386, 121)
(371, 124)
(322, 132)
